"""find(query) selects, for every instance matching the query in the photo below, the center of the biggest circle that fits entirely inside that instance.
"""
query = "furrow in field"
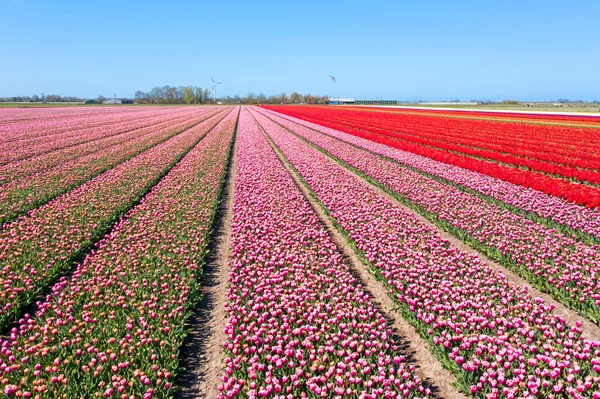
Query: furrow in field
(38, 248)
(299, 324)
(30, 192)
(493, 335)
(202, 351)
(549, 260)
(115, 328)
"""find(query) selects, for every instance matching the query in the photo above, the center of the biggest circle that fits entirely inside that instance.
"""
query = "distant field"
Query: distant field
(61, 104)
(541, 108)
(38, 105)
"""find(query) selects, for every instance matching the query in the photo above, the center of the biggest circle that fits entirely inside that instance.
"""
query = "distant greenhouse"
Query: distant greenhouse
(376, 102)
(112, 101)
(91, 101)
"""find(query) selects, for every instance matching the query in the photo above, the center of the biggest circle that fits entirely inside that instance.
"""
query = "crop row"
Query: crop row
(114, 329)
(553, 211)
(526, 153)
(37, 249)
(551, 261)
(299, 324)
(496, 338)
(46, 160)
(42, 124)
(572, 191)
(23, 149)
(29, 192)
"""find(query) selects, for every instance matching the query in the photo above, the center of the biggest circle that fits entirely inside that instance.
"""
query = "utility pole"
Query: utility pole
(115, 98)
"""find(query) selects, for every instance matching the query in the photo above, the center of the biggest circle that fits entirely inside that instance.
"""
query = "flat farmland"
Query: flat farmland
(298, 252)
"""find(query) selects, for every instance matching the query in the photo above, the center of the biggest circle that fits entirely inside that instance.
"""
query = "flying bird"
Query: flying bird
(332, 78)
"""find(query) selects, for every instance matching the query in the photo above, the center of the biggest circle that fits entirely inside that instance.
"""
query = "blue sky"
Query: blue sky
(485, 49)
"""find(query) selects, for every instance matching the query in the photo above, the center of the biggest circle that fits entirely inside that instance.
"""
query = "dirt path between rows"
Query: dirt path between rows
(202, 352)
(589, 329)
(427, 367)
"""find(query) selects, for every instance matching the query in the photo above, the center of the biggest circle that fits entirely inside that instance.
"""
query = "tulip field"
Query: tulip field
(370, 253)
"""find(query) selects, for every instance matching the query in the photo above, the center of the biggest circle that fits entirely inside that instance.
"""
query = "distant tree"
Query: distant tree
(249, 98)
(283, 98)
(188, 95)
(206, 95)
(199, 95)
(261, 98)
(295, 98)
(101, 99)
(309, 99)
(139, 97)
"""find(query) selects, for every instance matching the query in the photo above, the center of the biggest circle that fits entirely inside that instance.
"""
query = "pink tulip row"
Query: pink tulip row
(550, 260)
(22, 149)
(29, 192)
(558, 210)
(114, 329)
(47, 160)
(496, 338)
(38, 248)
(299, 324)
(65, 120)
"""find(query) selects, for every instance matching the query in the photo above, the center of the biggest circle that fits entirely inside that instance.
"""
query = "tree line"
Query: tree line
(198, 95)
(185, 95)
(51, 98)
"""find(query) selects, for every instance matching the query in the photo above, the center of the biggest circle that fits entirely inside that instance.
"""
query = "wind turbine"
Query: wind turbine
(215, 89)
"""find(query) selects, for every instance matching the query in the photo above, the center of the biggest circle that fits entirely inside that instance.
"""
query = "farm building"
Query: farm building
(112, 101)
(91, 101)
(340, 100)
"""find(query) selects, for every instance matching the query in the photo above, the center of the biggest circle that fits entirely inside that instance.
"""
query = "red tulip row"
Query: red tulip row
(29, 192)
(497, 339)
(501, 116)
(38, 248)
(582, 169)
(511, 138)
(493, 139)
(114, 329)
(299, 324)
(572, 191)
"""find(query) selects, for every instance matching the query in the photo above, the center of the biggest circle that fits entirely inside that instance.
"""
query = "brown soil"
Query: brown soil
(427, 367)
(202, 353)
